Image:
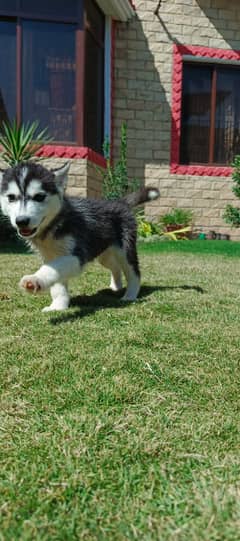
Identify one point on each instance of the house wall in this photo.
(77, 178)
(142, 98)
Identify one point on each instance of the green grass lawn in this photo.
(121, 422)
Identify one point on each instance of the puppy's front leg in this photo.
(58, 270)
(60, 298)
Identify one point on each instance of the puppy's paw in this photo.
(54, 308)
(31, 284)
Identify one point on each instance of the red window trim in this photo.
(71, 152)
(178, 52)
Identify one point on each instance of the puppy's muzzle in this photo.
(22, 223)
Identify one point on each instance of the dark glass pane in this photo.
(7, 71)
(64, 8)
(94, 94)
(95, 20)
(8, 5)
(49, 77)
(195, 121)
(227, 124)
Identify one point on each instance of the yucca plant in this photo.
(21, 142)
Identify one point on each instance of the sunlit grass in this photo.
(122, 421)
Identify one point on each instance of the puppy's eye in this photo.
(39, 197)
(11, 197)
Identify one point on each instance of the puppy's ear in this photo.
(61, 176)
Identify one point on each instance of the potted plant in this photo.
(177, 221)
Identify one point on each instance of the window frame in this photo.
(181, 54)
(80, 34)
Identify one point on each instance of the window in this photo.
(210, 121)
(53, 54)
(205, 132)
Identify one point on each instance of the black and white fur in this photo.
(71, 232)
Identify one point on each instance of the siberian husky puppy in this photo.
(70, 232)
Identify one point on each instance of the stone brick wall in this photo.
(84, 178)
(142, 98)
(94, 181)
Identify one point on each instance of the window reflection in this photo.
(7, 71)
(49, 73)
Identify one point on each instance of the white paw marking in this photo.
(31, 284)
(54, 308)
(57, 305)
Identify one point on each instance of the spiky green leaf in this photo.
(20, 143)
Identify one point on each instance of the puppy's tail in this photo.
(141, 196)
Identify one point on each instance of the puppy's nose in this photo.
(22, 221)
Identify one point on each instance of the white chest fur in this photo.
(50, 248)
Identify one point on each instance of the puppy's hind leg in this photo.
(133, 283)
(130, 266)
(116, 279)
(60, 298)
(108, 260)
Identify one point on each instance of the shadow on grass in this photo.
(105, 298)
